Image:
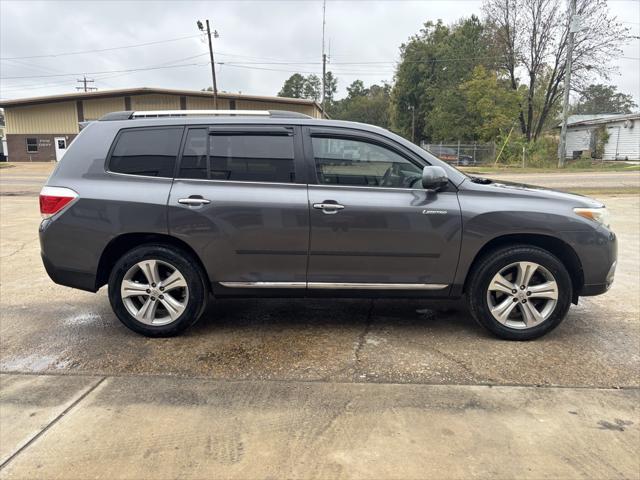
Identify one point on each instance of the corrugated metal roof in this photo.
(575, 120)
(146, 90)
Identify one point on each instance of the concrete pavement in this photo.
(165, 428)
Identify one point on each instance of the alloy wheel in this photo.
(154, 292)
(522, 295)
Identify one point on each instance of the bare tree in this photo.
(530, 39)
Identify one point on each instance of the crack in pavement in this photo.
(361, 338)
(20, 248)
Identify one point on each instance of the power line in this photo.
(37, 86)
(107, 71)
(64, 54)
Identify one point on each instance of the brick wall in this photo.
(17, 147)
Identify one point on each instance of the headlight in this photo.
(600, 215)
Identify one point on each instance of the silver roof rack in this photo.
(199, 113)
(129, 115)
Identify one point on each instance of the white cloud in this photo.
(357, 31)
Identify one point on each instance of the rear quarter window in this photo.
(150, 152)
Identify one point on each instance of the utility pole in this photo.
(84, 82)
(574, 26)
(413, 123)
(213, 65)
(324, 55)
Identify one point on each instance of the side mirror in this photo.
(434, 178)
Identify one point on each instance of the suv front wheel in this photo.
(519, 292)
(157, 291)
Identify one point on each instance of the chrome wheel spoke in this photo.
(154, 292)
(173, 281)
(174, 307)
(150, 270)
(533, 290)
(501, 284)
(502, 310)
(525, 272)
(530, 314)
(544, 290)
(147, 312)
(133, 289)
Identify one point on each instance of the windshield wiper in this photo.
(481, 180)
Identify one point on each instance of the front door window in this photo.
(358, 163)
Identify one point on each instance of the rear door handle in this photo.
(194, 201)
(328, 208)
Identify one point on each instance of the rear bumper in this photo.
(58, 253)
(69, 278)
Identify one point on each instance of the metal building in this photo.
(623, 135)
(39, 129)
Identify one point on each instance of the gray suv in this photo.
(170, 208)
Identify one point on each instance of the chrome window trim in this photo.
(368, 187)
(169, 179)
(338, 285)
(237, 181)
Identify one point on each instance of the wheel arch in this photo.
(121, 244)
(562, 250)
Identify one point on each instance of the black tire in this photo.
(494, 262)
(180, 260)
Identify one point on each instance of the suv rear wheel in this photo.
(157, 291)
(519, 292)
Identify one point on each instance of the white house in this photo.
(624, 135)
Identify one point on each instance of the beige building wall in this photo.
(155, 102)
(37, 119)
(205, 103)
(310, 110)
(94, 109)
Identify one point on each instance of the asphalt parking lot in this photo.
(323, 357)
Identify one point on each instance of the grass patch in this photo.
(572, 167)
(594, 192)
(5, 165)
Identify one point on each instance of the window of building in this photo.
(359, 163)
(251, 157)
(32, 145)
(147, 151)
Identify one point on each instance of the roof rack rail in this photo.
(130, 114)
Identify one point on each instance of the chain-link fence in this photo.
(463, 154)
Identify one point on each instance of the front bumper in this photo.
(599, 257)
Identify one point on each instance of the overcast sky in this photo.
(257, 39)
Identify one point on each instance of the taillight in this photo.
(54, 199)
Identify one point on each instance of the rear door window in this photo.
(252, 156)
(150, 152)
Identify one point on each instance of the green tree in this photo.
(294, 87)
(490, 103)
(312, 87)
(356, 89)
(529, 39)
(368, 105)
(599, 98)
(331, 87)
(432, 65)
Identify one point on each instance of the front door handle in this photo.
(194, 200)
(328, 208)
